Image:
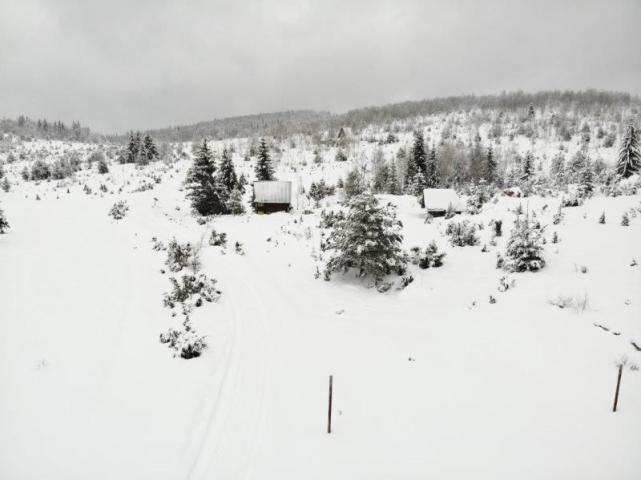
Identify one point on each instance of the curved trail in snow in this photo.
(236, 421)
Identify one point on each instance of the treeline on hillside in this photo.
(27, 128)
(279, 124)
(283, 124)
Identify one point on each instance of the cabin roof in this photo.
(273, 191)
(437, 199)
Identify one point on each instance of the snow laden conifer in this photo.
(366, 240)
(416, 164)
(524, 250)
(629, 161)
(264, 169)
(207, 195)
(226, 172)
(489, 173)
(431, 174)
(149, 150)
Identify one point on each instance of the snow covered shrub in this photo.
(4, 224)
(185, 342)
(524, 251)
(625, 220)
(235, 202)
(181, 256)
(119, 210)
(571, 201)
(40, 171)
(218, 239)
(462, 233)
(157, 245)
(195, 289)
(577, 303)
(558, 216)
(329, 219)
(319, 190)
(430, 257)
(602, 218)
(478, 195)
(368, 240)
(103, 168)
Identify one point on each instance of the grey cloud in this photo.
(117, 65)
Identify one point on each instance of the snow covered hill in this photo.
(468, 372)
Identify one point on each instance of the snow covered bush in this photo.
(478, 195)
(218, 239)
(430, 257)
(181, 256)
(368, 240)
(185, 342)
(524, 251)
(195, 289)
(119, 210)
(319, 190)
(462, 233)
(4, 224)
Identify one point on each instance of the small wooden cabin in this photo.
(272, 196)
(439, 200)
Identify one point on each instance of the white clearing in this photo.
(432, 381)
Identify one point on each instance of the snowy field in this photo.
(433, 381)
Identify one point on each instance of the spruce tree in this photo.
(133, 149)
(264, 169)
(207, 196)
(431, 175)
(490, 167)
(417, 160)
(393, 186)
(368, 240)
(476, 162)
(226, 172)
(524, 250)
(527, 168)
(629, 156)
(150, 150)
(557, 170)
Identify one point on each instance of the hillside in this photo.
(464, 370)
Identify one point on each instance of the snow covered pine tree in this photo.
(207, 195)
(264, 169)
(630, 156)
(524, 249)
(367, 239)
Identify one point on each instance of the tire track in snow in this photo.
(232, 432)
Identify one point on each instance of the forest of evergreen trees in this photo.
(309, 122)
(27, 128)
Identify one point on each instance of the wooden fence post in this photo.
(329, 409)
(616, 394)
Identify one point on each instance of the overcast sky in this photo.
(122, 64)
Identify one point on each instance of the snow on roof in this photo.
(273, 191)
(441, 198)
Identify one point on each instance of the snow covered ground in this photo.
(432, 381)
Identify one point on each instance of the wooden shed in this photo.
(272, 196)
(439, 200)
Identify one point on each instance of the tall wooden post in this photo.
(329, 409)
(616, 394)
